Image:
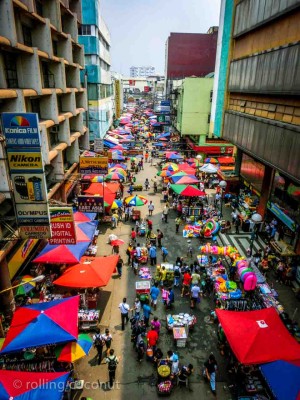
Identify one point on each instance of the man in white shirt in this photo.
(124, 308)
(195, 295)
(138, 251)
(150, 208)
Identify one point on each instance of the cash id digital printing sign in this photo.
(24, 156)
(62, 226)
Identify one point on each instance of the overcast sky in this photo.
(139, 28)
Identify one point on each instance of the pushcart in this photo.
(164, 384)
(136, 215)
(142, 289)
(142, 229)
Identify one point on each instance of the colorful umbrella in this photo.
(42, 324)
(114, 165)
(98, 178)
(74, 350)
(209, 169)
(89, 273)
(187, 179)
(187, 190)
(114, 176)
(211, 160)
(164, 173)
(20, 385)
(118, 170)
(27, 285)
(170, 166)
(116, 204)
(136, 200)
(117, 242)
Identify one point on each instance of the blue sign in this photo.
(282, 216)
(21, 129)
(165, 103)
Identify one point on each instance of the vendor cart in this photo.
(136, 215)
(142, 289)
(180, 336)
(164, 384)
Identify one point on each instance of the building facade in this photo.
(40, 64)
(189, 54)
(95, 37)
(141, 72)
(262, 109)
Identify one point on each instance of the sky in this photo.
(139, 28)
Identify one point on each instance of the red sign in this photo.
(131, 83)
(62, 226)
(147, 89)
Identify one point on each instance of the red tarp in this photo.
(258, 337)
(226, 160)
(186, 168)
(191, 191)
(88, 273)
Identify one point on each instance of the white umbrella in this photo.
(209, 169)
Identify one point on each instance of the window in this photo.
(10, 70)
(39, 7)
(93, 91)
(54, 47)
(27, 39)
(53, 139)
(208, 118)
(35, 106)
(48, 77)
(59, 104)
(85, 30)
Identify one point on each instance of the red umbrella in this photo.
(88, 274)
(117, 242)
(191, 191)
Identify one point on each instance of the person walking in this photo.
(120, 266)
(154, 293)
(137, 308)
(159, 236)
(112, 362)
(195, 295)
(151, 208)
(124, 308)
(152, 255)
(210, 369)
(108, 339)
(99, 343)
(177, 275)
(147, 312)
(164, 252)
(237, 225)
(177, 223)
(165, 213)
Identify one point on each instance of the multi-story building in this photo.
(262, 107)
(189, 54)
(141, 72)
(40, 64)
(95, 37)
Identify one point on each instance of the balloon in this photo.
(250, 282)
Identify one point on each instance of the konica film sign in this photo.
(21, 129)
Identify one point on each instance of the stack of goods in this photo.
(246, 275)
(190, 231)
(144, 255)
(164, 387)
(179, 320)
(88, 315)
(144, 273)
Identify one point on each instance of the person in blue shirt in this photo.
(164, 252)
(152, 255)
(171, 299)
(147, 313)
(154, 293)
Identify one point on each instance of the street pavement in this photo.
(136, 380)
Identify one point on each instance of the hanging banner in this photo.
(118, 98)
(62, 226)
(93, 165)
(35, 232)
(90, 204)
(20, 256)
(98, 144)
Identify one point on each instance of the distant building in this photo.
(190, 54)
(141, 72)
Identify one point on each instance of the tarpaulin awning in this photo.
(87, 274)
(42, 324)
(20, 385)
(187, 190)
(258, 337)
(226, 160)
(84, 217)
(283, 379)
(186, 179)
(62, 254)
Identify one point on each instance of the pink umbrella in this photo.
(117, 242)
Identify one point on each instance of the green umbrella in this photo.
(180, 188)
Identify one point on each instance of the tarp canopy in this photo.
(186, 179)
(283, 379)
(187, 190)
(209, 169)
(43, 324)
(87, 274)
(62, 254)
(19, 385)
(84, 217)
(258, 337)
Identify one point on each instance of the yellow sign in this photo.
(117, 98)
(99, 162)
(22, 160)
(20, 256)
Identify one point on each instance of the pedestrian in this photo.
(155, 324)
(165, 213)
(140, 346)
(147, 184)
(210, 370)
(152, 255)
(115, 249)
(186, 282)
(124, 308)
(151, 208)
(133, 235)
(159, 236)
(196, 278)
(177, 275)
(164, 252)
(137, 226)
(163, 275)
(154, 293)
(152, 338)
(137, 308)
(237, 224)
(195, 295)
(120, 266)
(112, 362)
(108, 339)
(99, 342)
(147, 312)
(127, 208)
(138, 251)
(177, 223)
(128, 253)
(189, 252)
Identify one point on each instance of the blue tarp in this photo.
(283, 379)
(108, 144)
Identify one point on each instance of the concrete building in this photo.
(262, 108)
(40, 64)
(189, 54)
(141, 72)
(95, 37)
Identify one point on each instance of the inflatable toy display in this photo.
(210, 228)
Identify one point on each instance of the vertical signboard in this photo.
(118, 98)
(23, 145)
(98, 145)
(62, 226)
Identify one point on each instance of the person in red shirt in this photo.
(149, 225)
(186, 283)
(152, 338)
(133, 235)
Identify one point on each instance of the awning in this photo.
(226, 160)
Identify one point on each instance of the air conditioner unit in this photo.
(54, 129)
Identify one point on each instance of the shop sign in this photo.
(20, 160)
(62, 226)
(161, 118)
(147, 89)
(98, 144)
(118, 98)
(32, 214)
(29, 188)
(90, 204)
(165, 109)
(35, 232)
(93, 165)
(165, 103)
(131, 82)
(20, 256)
(282, 216)
(21, 129)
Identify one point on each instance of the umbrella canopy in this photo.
(170, 166)
(164, 173)
(187, 190)
(42, 324)
(175, 157)
(185, 180)
(209, 169)
(73, 351)
(98, 178)
(88, 274)
(211, 160)
(187, 168)
(118, 170)
(116, 204)
(62, 254)
(84, 217)
(117, 242)
(283, 379)
(136, 200)
(27, 285)
(258, 337)
(32, 385)
(114, 165)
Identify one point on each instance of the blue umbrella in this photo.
(175, 157)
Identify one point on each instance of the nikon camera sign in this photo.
(26, 167)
